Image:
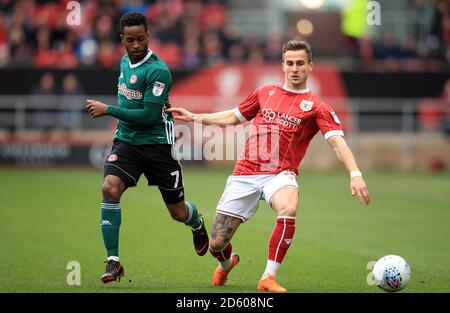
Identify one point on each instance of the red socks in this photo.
(279, 243)
(222, 255)
(281, 238)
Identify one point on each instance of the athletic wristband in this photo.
(355, 174)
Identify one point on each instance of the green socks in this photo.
(194, 220)
(111, 219)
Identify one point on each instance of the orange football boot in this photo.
(220, 276)
(270, 284)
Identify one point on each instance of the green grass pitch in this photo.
(51, 217)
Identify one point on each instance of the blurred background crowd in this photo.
(383, 65)
(189, 34)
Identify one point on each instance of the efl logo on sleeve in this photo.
(335, 117)
(158, 88)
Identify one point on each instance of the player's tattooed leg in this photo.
(223, 230)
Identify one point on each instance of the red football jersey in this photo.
(284, 123)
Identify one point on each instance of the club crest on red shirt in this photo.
(306, 105)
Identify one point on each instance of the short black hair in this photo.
(133, 19)
(294, 45)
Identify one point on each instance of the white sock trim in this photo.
(225, 265)
(288, 217)
(271, 269)
(189, 208)
(114, 258)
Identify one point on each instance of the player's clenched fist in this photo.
(96, 108)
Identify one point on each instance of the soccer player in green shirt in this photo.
(143, 142)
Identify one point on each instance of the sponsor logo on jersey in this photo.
(306, 105)
(335, 117)
(112, 157)
(158, 88)
(268, 115)
(283, 119)
(133, 79)
(130, 94)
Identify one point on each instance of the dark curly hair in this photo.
(133, 19)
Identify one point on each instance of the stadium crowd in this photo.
(187, 34)
(427, 49)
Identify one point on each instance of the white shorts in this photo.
(242, 193)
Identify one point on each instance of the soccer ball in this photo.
(391, 273)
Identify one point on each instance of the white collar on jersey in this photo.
(295, 90)
(141, 61)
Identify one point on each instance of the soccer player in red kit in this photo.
(285, 119)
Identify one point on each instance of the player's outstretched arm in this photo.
(222, 118)
(145, 116)
(344, 154)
